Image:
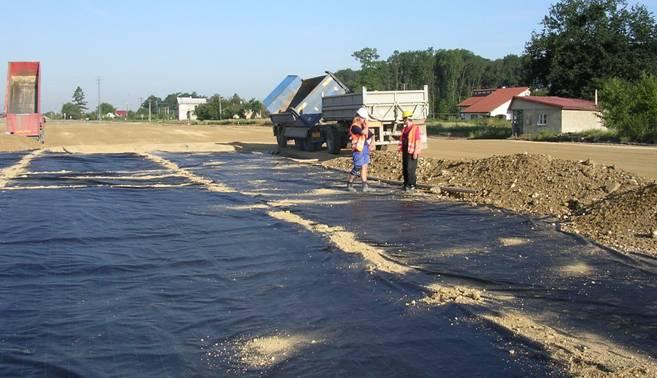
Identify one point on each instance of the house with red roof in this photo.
(121, 114)
(490, 103)
(535, 114)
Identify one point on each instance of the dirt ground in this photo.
(124, 137)
(635, 159)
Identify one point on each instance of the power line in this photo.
(98, 98)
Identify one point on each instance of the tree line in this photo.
(582, 46)
(451, 75)
(165, 108)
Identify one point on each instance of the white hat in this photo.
(362, 113)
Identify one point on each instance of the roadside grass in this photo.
(488, 128)
(589, 136)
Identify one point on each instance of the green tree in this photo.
(631, 108)
(213, 109)
(79, 100)
(584, 42)
(105, 108)
(374, 73)
(71, 111)
(450, 74)
(348, 77)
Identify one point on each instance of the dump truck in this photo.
(320, 110)
(23, 99)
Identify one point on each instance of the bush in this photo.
(468, 130)
(589, 136)
(630, 108)
(491, 133)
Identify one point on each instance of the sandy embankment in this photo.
(117, 137)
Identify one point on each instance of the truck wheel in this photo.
(300, 144)
(310, 146)
(281, 139)
(333, 142)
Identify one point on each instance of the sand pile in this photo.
(542, 185)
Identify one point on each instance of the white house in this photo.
(534, 114)
(491, 103)
(187, 106)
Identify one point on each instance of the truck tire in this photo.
(281, 139)
(310, 146)
(300, 144)
(333, 141)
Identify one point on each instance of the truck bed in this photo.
(383, 106)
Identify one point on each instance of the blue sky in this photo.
(159, 47)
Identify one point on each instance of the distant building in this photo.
(121, 113)
(110, 115)
(486, 103)
(187, 107)
(534, 114)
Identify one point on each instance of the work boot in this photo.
(366, 188)
(350, 187)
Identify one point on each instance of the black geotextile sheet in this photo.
(9, 158)
(116, 281)
(564, 279)
(113, 281)
(70, 170)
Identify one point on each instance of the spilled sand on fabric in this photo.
(264, 352)
(208, 183)
(512, 242)
(576, 269)
(582, 355)
(296, 202)
(346, 241)
(18, 169)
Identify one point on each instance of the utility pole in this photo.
(149, 110)
(98, 98)
(220, 112)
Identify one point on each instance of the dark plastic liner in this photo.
(119, 170)
(564, 279)
(107, 282)
(9, 159)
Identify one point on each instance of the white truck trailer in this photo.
(328, 120)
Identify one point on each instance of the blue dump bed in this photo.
(281, 97)
(304, 108)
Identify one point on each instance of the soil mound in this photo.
(626, 221)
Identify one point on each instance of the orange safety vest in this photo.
(357, 140)
(412, 140)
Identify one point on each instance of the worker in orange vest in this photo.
(411, 144)
(361, 142)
